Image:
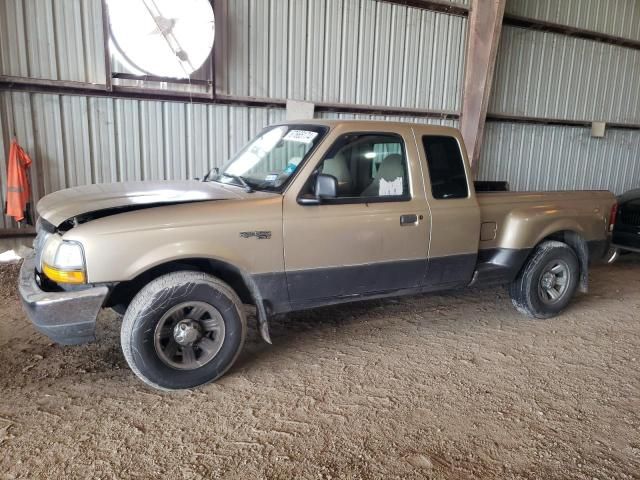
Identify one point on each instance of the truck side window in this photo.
(446, 167)
(368, 167)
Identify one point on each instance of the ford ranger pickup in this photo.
(308, 214)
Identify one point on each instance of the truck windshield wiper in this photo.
(214, 169)
(248, 188)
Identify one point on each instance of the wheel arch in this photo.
(240, 281)
(579, 245)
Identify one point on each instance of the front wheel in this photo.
(183, 330)
(547, 282)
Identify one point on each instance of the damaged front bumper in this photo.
(68, 318)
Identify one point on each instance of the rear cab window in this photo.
(446, 167)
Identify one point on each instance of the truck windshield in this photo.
(269, 160)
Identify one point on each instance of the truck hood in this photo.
(57, 207)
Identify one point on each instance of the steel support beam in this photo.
(485, 25)
(140, 93)
(545, 26)
(434, 5)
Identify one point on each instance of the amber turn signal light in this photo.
(64, 276)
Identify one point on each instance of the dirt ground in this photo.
(442, 386)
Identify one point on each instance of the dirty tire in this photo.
(524, 290)
(156, 299)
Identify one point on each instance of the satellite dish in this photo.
(166, 38)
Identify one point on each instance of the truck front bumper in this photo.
(68, 318)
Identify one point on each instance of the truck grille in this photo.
(630, 216)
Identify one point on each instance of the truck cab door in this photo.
(373, 237)
(455, 213)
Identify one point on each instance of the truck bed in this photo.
(513, 223)
(523, 219)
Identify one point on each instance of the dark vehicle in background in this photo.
(626, 230)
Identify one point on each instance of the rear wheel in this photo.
(183, 330)
(547, 282)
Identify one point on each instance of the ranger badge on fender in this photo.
(260, 235)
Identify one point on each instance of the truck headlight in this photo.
(63, 261)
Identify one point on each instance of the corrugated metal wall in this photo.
(89, 140)
(547, 157)
(56, 40)
(80, 140)
(550, 75)
(341, 51)
(363, 52)
(619, 18)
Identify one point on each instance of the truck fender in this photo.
(568, 231)
(215, 267)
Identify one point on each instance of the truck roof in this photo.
(369, 124)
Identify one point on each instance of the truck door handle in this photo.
(407, 220)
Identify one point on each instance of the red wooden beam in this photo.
(485, 26)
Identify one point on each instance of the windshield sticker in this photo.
(301, 136)
(272, 177)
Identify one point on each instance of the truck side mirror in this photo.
(326, 187)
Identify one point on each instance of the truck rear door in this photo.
(455, 214)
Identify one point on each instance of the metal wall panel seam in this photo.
(397, 46)
(350, 51)
(65, 151)
(5, 141)
(298, 45)
(42, 40)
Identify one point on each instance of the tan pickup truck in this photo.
(307, 214)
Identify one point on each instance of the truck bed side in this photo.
(513, 223)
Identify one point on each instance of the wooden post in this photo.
(485, 25)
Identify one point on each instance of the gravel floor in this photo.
(441, 386)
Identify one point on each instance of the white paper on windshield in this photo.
(243, 164)
(389, 188)
(302, 136)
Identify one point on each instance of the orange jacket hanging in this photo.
(17, 182)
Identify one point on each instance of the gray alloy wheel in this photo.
(189, 335)
(554, 281)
